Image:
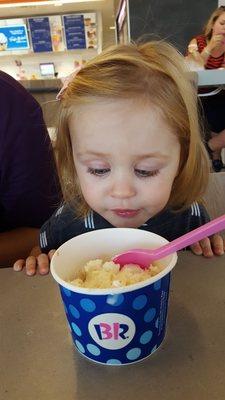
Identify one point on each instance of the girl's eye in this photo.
(98, 171)
(145, 174)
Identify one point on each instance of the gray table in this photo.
(38, 360)
(213, 77)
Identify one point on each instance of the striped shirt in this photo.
(212, 62)
(64, 224)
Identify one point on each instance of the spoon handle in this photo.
(191, 237)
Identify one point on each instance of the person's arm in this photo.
(61, 227)
(29, 191)
(17, 243)
(38, 259)
(214, 43)
(200, 58)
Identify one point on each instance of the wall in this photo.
(174, 20)
(64, 61)
(116, 6)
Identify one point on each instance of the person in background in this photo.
(125, 158)
(208, 49)
(29, 186)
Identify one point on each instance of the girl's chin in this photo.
(125, 223)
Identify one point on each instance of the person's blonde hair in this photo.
(155, 72)
(211, 21)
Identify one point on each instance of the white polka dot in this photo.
(93, 349)
(139, 302)
(133, 354)
(146, 337)
(113, 361)
(115, 299)
(157, 285)
(80, 346)
(88, 305)
(74, 311)
(150, 315)
(76, 329)
(66, 291)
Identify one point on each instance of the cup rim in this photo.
(116, 290)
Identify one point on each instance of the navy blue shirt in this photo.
(29, 189)
(64, 224)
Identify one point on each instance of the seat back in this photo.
(214, 197)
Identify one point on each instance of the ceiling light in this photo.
(43, 3)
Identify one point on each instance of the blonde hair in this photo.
(154, 71)
(212, 19)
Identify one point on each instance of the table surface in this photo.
(39, 361)
(213, 77)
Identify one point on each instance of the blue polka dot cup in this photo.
(117, 325)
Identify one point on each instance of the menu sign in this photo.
(13, 38)
(74, 31)
(80, 31)
(40, 34)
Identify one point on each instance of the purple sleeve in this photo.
(29, 189)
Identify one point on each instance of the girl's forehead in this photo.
(125, 124)
(113, 112)
(221, 17)
(107, 107)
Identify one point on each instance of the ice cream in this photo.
(101, 275)
(3, 42)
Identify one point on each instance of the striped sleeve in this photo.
(48, 238)
(198, 215)
(62, 226)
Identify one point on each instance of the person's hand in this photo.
(215, 245)
(36, 262)
(215, 41)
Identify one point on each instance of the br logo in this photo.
(112, 331)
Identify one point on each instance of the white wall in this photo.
(63, 61)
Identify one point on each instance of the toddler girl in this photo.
(129, 151)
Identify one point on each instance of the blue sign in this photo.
(13, 37)
(40, 34)
(74, 31)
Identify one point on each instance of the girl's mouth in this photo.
(125, 213)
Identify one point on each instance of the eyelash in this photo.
(146, 174)
(98, 171)
(139, 172)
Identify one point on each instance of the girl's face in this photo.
(126, 157)
(219, 26)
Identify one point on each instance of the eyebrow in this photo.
(91, 153)
(139, 157)
(152, 155)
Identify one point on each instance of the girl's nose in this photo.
(123, 188)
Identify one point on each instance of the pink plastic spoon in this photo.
(144, 257)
